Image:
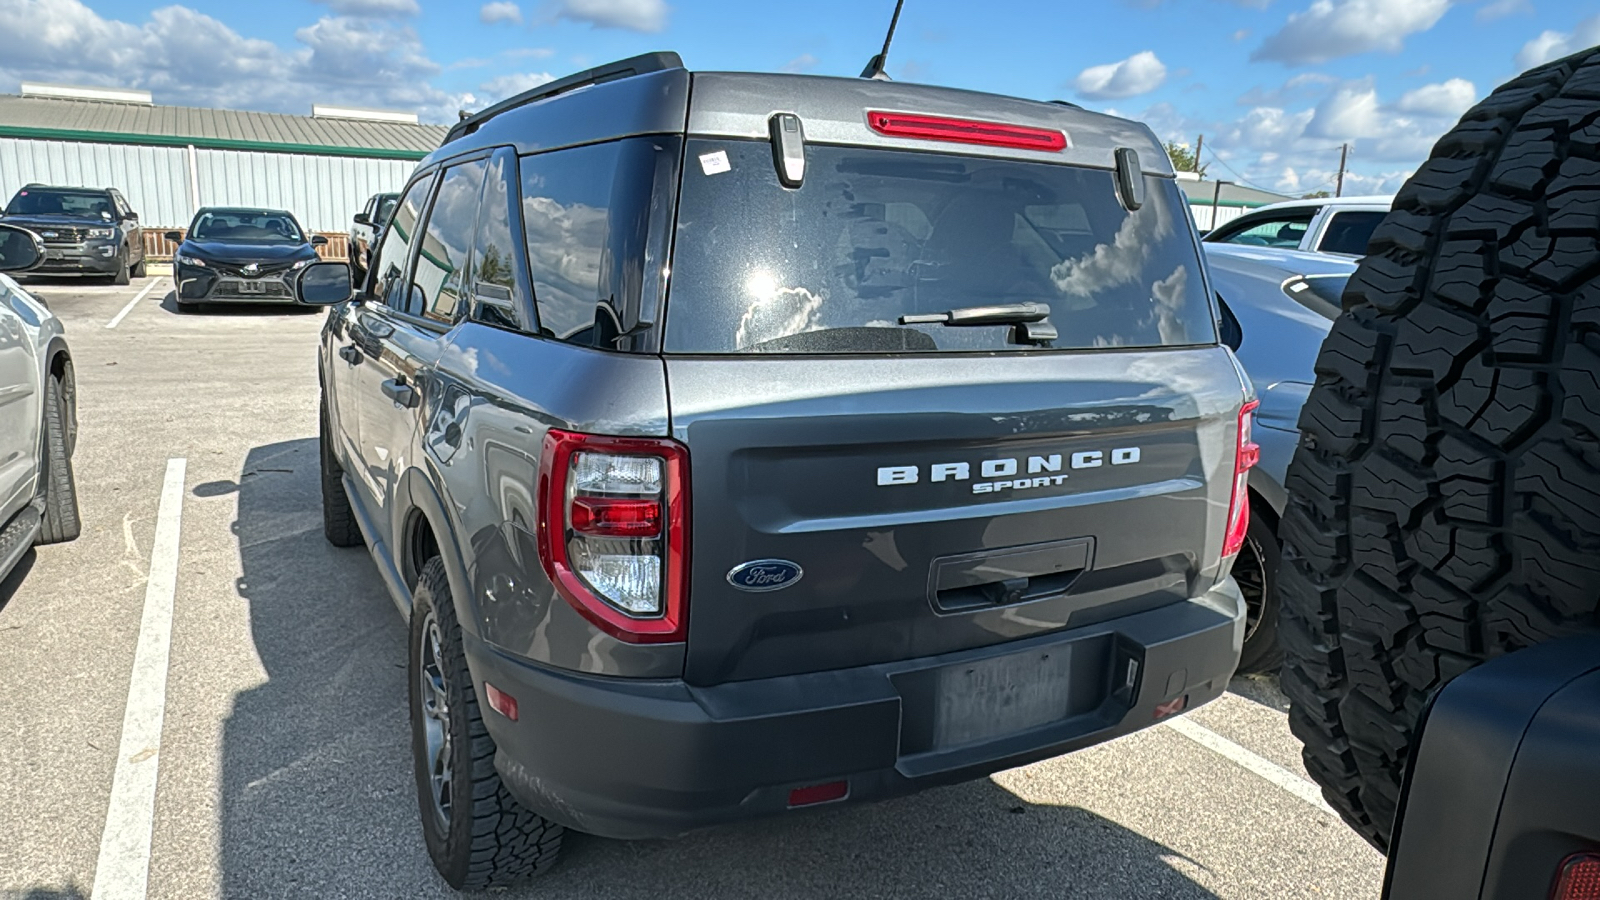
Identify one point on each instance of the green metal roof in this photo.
(48, 118)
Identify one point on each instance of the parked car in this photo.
(930, 465)
(1340, 225)
(38, 412)
(1279, 305)
(86, 231)
(365, 228)
(234, 255)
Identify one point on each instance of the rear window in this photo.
(874, 235)
(1349, 232)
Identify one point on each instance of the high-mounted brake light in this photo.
(1579, 878)
(966, 131)
(1249, 453)
(613, 532)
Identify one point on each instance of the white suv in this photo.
(38, 415)
(1340, 225)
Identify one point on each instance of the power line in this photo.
(1220, 161)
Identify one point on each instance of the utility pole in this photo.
(1216, 200)
(1199, 145)
(1344, 154)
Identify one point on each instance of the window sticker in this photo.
(715, 163)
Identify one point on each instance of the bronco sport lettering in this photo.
(1041, 467)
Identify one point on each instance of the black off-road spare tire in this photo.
(1445, 500)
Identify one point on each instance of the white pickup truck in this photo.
(364, 230)
(38, 412)
(1340, 225)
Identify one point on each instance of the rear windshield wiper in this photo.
(1002, 314)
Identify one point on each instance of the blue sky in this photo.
(1274, 85)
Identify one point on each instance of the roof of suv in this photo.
(1375, 200)
(651, 95)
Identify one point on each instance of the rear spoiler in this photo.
(627, 68)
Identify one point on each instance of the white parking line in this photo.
(1271, 771)
(134, 302)
(124, 866)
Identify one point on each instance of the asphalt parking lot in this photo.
(283, 743)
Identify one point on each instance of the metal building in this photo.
(1216, 203)
(170, 160)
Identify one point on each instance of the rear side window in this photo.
(566, 207)
(874, 235)
(389, 272)
(1349, 232)
(494, 279)
(439, 280)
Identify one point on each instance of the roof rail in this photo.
(626, 68)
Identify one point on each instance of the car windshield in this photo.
(874, 235)
(245, 227)
(46, 202)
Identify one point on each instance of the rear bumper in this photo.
(641, 759)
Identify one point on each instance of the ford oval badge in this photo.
(765, 575)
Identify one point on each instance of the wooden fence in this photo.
(157, 247)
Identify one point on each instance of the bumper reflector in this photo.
(500, 701)
(819, 793)
(1172, 707)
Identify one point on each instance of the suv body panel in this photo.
(738, 715)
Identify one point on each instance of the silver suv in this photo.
(737, 444)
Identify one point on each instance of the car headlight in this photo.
(301, 265)
(191, 261)
(101, 234)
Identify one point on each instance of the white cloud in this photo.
(805, 62)
(1552, 45)
(497, 89)
(372, 9)
(1447, 100)
(1331, 29)
(1140, 73)
(341, 60)
(503, 11)
(1348, 113)
(1499, 9)
(633, 15)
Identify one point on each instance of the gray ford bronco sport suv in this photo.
(738, 443)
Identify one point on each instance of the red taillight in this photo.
(819, 793)
(616, 518)
(613, 532)
(966, 131)
(500, 701)
(1247, 455)
(1579, 878)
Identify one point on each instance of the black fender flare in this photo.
(422, 499)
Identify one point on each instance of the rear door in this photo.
(936, 488)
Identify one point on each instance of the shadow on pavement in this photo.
(70, 892)
(169, 303)
(318, 800)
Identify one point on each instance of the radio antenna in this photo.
(874, 69)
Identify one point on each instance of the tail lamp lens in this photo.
(613, 531)
(1248, 454)
(1579, 878)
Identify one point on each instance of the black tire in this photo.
(485, 838)
(1445, 500)
(1256, 571)
(138, 269)
(121, 276)
(338, 519)
(59, 491)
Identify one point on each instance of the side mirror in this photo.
(324, 284)
(318, 240)
(175, 236)
(132, 217)
(363, 219)
(20, 249)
